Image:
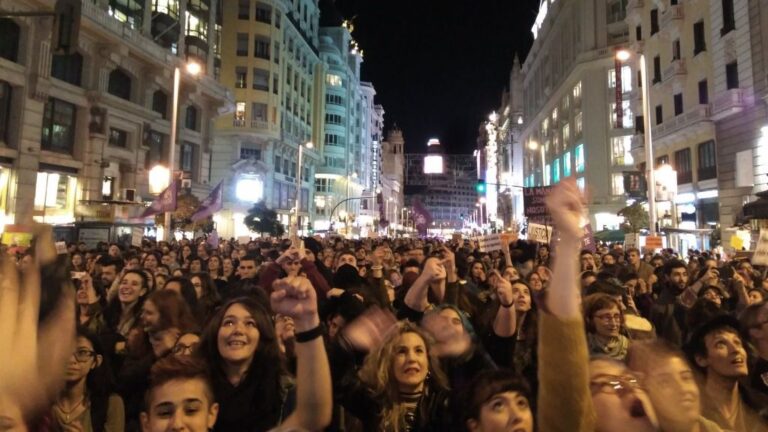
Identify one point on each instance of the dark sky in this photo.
(439, 67)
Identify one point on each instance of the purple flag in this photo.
(421, 217)
(213, 239)
(210, 205)
(164, 202)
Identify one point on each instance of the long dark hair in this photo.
(209, 299)
(265, 370)
(187, 290)
(115, 308)
(99, 383)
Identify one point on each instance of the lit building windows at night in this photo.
(577, 92)
(168, 7)
(617, 184)
(579, 156)
(620, 149)
(333, 80)
(567, 164)
(59, 122)
(196, 27)
(239, 114)
(547, 174)
(55, 196)
(627, 119)
(581, 184)
(118, 138)
(241, 77)
(707, 161)
(556, 171)
(578, 124)
(626, 79)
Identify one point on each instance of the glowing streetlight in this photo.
(159, 179)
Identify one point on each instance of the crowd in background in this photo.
(389, 335)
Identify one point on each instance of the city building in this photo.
(570, 123)
(676, 40)
(79, 132)
(338, 183)
(370, 164)
(270, 59)
(738, 51)
(391, 204)
(449, 197)
(510, 149)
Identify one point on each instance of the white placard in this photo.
(137, 236)
(243, 240)
(760, 257)
(489, 243)
(539, 233)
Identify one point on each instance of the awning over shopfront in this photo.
(757, 209)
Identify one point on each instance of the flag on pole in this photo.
(211, 204)
(164, 202)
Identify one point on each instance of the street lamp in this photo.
(623, 56)
(193, 69)
(349, 182)
(297, 224)
(159, 177)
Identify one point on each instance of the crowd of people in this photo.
(382, 335)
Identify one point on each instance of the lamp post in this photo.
(297, 222)
(349, 182)
(193, 69)
(623, 56)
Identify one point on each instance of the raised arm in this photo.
(295, 297)
(505, 322)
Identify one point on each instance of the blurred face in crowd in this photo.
(77, 260)
(607, 322)
(195, 266)
(150, 316)
(726, 356)
(360, 253)
(184, 404)
(672, 389)
(478, 271)
(238, 335)
(609, 259)
(713, 295)
(114, 251)
(535, 282)
(162, 271)
(247, 269)
(132, 263)
(214, 264)
(291, 267)
(507, 411)
(160, 280)
(346, 258)
(150, 262)
(186, 251)
(186, 344)
(416, 253)
(108, 274)
(82, 361)
(620, 403)
(198, 284)
(755, 296)
(130, 288)
(335, 324)
(588, 262)
(202, 251)
(634, 258)
(227, 266)
(588, 280)
(511, 274)
(679, 277)
(523, 297)
(410, 363)
(173, 286)
(657, 262)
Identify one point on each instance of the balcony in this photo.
(674, 13)
(700, 113)
(238, 122)
(263, 126)
(676, 68)
(728, 103)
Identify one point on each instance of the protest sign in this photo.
(539, 233)
(535, 207)
(760, 257)
(489, 243)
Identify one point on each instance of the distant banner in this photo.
(489, 243)
(539, 233)
(760, 257)
(535, 206)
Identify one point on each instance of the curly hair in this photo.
(378, 376)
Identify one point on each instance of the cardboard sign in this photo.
(539, 233)
(535, 207)
(17, 235)
(653, 242)
(631, 240)
(489, 243)
(137, 236)
(737, 242)
(760, 257)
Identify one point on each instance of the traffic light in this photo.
(480, 187)
(66, 26)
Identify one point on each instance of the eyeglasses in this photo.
(180, 348)
(83, 355)
(612, 384)
(608, 318)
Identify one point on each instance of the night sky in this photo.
(439, 67)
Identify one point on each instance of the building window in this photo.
(244, 10)
(260, 79)
(547, 175)
(683, 166)
(155, 154)
(250, 153)
(334, 119)
(662, 160)
(333, 80)
(639, 33)
(676, 49)
(68, 68)
(566, 134)
(699, 38)
(732, 75)
(627, 116)
(190, 118)
(579, 156)
(332, 99)
(654, 21)
(617, 184)
(277, 52)
(241, 77)
(9, 43)
(187, 156)
(59, 120)
(626, 79)
(577, 92)
(659, 115)
(621, 151)
(707, 161)
(656, 69)
(264, 13)
(119, 84)
(242, 44)
(678, 98)
(278, 164)
(278, 19)
(578, 124)
(5, 111)
(160, 103)
(118, 138)
(276, 84)
(55, 194)
(729, 20)
(259, 112)
(261, 48)
(196, 27)
(567, 164)
(240, 114)
(556, 171)
(703, 92)
(333, 140)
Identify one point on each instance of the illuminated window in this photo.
(55, 196)
(577, 92)
(196, 27)
(566, 134)
(240, 114)
(578, 124)
(628, 117)
(626, 79)
(620, 149)
(581, 184)
(554, 115)
(556, 171)
(547, 174)
(579, 155)
(617, 184)
(168, 7)
(333, 80)
(567, 164)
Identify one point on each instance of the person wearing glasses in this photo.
(87, 403)
(186, 344)
(604, 320)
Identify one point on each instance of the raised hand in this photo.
(295, 297)
(434, 270)
(290, 254)
(503, 288)
(368, 330)
(566, 206)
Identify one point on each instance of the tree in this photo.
(186, 206)
(635, 218)
(263, 220)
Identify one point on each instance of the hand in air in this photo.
(566, 207)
